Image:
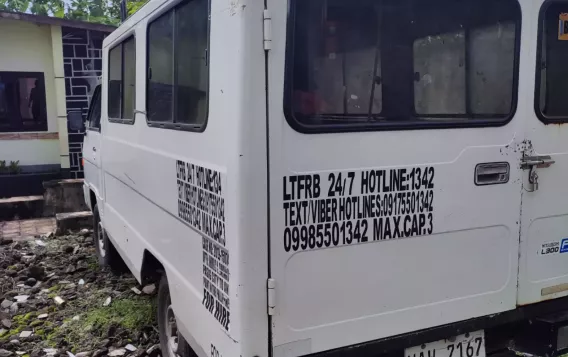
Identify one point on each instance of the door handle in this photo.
(492, 173)
(94, 149)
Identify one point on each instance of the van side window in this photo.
(122, 82)
(94, 115)
(400, 64)
(178, 73)
(551, 73)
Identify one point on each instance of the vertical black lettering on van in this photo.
(216, 280)
(201, 206)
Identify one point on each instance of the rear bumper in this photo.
(500, 331)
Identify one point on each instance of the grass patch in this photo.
(19, 324)
(128, 314)
(92, 263)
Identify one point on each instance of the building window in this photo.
(22, 102)
(178, 73)
(122, 82)
(551, 73)
(397, 64)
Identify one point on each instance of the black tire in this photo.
(110, 257)
(164, 302)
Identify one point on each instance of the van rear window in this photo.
(550, 102)
(401, 62)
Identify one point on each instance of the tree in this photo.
(100, 11)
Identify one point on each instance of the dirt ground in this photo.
(55, 300)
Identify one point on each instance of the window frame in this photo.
(546, 119)
(411, 124)
(173, 125)
(121, 120)
(43, 126)
(96, 92)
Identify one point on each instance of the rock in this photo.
(82, 265)
(37, 272)
(149, 289)
(6, 304)
(67, 249)
(15, 342)
(136, 291)
(70, 269)
(100, 353)
(20, 353)
(14, 308)
(107, 301)
(117, 353)
(42, 316)
(40, 243)
(21, 298)
(31, 281)
(11, 273)
(70, 354)
(83, 354)
(6, 241)
(76, 318)
(5, 353)
(85, 232)
(27, 258)
(76, 249)
(50, 351)
(153, 351)
(58, 300)
(130, 348)
(25, 334)
(7, 323)
(81, 282)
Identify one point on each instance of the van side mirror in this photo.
(75, 120)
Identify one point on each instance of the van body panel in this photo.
(543, 270)
(154, 178)
(462, 266)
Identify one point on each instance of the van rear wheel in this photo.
(172, 342)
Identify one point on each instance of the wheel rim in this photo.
(171, 331)
(101, 239)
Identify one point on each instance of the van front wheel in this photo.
(106, 253)
(172, 342)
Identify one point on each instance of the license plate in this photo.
(468, 345)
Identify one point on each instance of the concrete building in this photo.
(48, 69)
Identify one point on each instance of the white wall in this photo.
(27, 47)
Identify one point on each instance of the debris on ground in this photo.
(56, 301)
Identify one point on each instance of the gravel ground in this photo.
(55, 300)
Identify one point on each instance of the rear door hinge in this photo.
(267, 30)
(271, 288)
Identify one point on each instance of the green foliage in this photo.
(99, 11)
(15, 168)
(93, 325)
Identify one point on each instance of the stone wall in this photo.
(82, 58)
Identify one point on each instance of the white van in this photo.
(338, 177)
